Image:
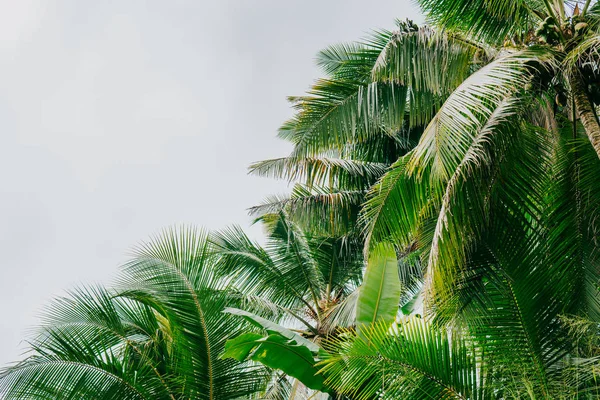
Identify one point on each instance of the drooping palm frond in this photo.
(395, 205)
(415, 187)
(463, 208)
(93, 345)
(321, 171)
(338, 108)
(573, 209)
(490, 21)
(320, 210)
(336, 113)
(330, 190)
(413, 57)
(450, 134)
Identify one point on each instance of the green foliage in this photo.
(409, 360)
(304, 274)
(491, 21)
(273, 328)
(461, 157)
(380, 291)
(157, 336)
(279, 352)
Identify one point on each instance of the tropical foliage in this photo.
(440, 240)
(158, 335)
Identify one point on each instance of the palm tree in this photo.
(308, 281)
(352, 126)
(315, 286)
(498, 198)
(158, 336)
(294, 270)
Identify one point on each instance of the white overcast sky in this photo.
(119, 118)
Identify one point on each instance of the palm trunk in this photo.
(585, 110)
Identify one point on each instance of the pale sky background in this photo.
(119, 118)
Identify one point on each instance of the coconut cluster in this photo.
(548, 31)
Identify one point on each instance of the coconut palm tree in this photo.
(299, 260)
(309, 281)
(315, 286)
(159, 335)
(501, 196)
(498, 198)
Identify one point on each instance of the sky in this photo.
(120, 118)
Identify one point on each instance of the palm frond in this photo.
(316, 209)
(450, 134)
(490, 21)
(410, 360)
(395, 205)
(322, 171)
(175, 275)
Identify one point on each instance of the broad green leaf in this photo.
(380, 292)
(277, 352)
(272, 327)
(240, 347)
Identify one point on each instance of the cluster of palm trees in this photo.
(440, 240)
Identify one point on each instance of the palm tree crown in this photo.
(158, 336)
